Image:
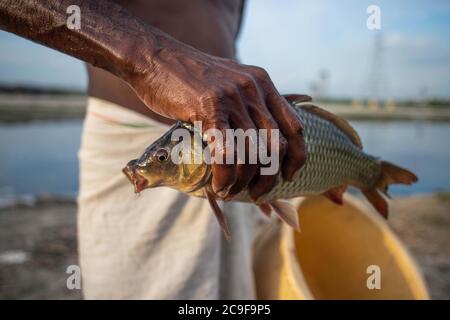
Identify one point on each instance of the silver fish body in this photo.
(332, 160)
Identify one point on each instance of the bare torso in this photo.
(208, 25)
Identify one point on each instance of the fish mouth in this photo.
(139, 182)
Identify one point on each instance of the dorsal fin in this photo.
(297, 98)
(337, 121)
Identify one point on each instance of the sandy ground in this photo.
(423, 223)
(38, 243)
(25, 107)
(46, 235)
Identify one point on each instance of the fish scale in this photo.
(332, 160)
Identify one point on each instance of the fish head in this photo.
(167, 162)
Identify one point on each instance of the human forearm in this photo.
(109, 37)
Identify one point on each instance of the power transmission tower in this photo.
(377, 75)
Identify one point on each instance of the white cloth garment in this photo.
(160, 244)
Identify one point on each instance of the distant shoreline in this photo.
(22, 107)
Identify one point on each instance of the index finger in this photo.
(223, 174)
(292, 128)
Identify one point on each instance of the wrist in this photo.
(135, 60)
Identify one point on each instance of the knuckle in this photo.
(247, 83)
(260, 73)
(229, 90)
(218, 94)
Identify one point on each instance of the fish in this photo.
(334, 161)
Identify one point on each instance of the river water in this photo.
(41, 157)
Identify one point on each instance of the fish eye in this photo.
(162, 155)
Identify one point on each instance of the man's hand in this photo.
(173, 79)
(185, 84)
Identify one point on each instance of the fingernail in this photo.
(223, 192)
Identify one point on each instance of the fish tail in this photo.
(390, 174)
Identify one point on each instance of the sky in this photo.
(294, 40)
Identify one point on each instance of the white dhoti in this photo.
(161, 244)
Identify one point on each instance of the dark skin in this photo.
(134, 62)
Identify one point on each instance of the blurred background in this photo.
(392, 84)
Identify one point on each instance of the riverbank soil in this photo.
(423, 223)
(38, 243)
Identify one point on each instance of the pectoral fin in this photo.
(297, 98)
(377, 200)
(266, 209)
(218, 212)
(286, 212)
(336, 194)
